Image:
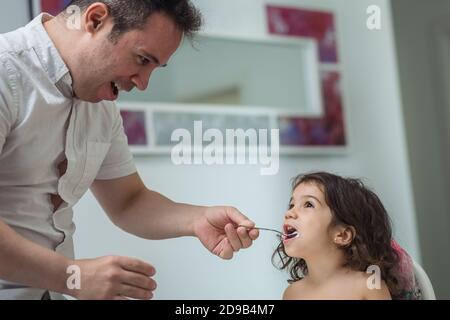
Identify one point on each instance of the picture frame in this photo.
(330, 129)
(161, 119)
(322, 132)
(136, 120)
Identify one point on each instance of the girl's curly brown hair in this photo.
(352, 204)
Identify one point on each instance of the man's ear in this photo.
(95, 17)
(344, 235)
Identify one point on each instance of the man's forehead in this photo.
(151, 41)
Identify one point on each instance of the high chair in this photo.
(424, 282)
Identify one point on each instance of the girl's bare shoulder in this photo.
(371, 286)
(294, 290)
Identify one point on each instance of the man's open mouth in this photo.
(290, 232)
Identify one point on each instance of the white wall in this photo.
(378, 153)
(13, 14)
(423, 109)
(185, 269)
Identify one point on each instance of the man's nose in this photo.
(141, 80)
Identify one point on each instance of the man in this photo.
(59, 137)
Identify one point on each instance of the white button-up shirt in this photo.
(41, 124)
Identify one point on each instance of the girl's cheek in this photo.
(316, 228)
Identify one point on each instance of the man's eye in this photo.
(308, 205)
(143, 61)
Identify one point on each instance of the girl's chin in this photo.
(293, 253)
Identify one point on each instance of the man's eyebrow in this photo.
(153, 58)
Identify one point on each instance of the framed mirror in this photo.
(276, 72)
(289, 78)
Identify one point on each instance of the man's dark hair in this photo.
(133, 14)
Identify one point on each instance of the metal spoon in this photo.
(264, 229)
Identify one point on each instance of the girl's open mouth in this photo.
(290, 233)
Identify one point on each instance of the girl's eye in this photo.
(290, 206)
(308, 205)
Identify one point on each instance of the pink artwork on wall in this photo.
(134, 124)
(53, 7)
(318, 25)
(329, 129)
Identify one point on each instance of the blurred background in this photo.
(384, 91)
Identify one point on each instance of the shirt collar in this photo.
(49, 56)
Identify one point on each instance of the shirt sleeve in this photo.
(8, 107)
(119, 160)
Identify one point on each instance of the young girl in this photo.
(338, 243)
